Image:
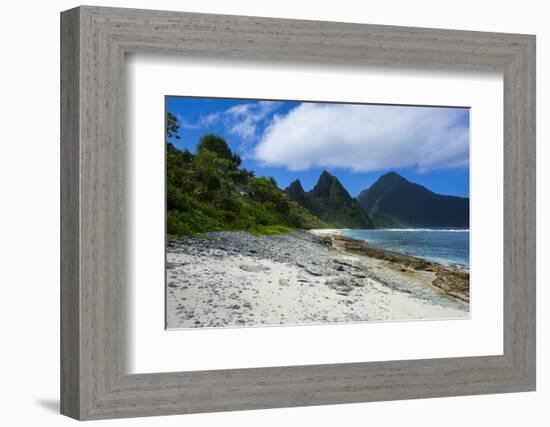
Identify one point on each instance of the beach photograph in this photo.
(299, 212)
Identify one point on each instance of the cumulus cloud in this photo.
(365, 138)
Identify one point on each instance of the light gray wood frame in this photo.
(94, 41)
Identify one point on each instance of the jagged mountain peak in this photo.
(296, 185)
(329, 186)
(331, 202)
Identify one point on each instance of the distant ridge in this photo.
(330, 202)
(394, 202)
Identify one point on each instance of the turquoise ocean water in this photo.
(444, 246)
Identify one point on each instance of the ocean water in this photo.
(444, 246)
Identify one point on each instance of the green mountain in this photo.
(209, 191)
(394, 202)
(330, 202)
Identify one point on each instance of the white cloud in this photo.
(244, 118)
(203, 121)
(241, 120)
(365, 138)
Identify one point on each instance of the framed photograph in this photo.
(248, 249)
(262, 213)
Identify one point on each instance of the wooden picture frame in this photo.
(94, 382)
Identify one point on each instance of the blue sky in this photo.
(357, 143)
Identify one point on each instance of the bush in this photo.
(207, 191)
(219, 146)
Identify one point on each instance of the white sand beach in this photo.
(238, 279)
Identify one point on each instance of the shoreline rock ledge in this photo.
(452, 280)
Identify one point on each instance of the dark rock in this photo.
(314, 272)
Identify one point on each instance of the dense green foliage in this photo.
(217, 145)
(209, 191)
(330, 202)
(394, 202)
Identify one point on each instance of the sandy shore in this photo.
(238, 279)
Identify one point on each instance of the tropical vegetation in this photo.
(209, 191)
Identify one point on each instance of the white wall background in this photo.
(29, 214)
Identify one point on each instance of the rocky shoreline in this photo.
(454, 281)
(239, 279)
